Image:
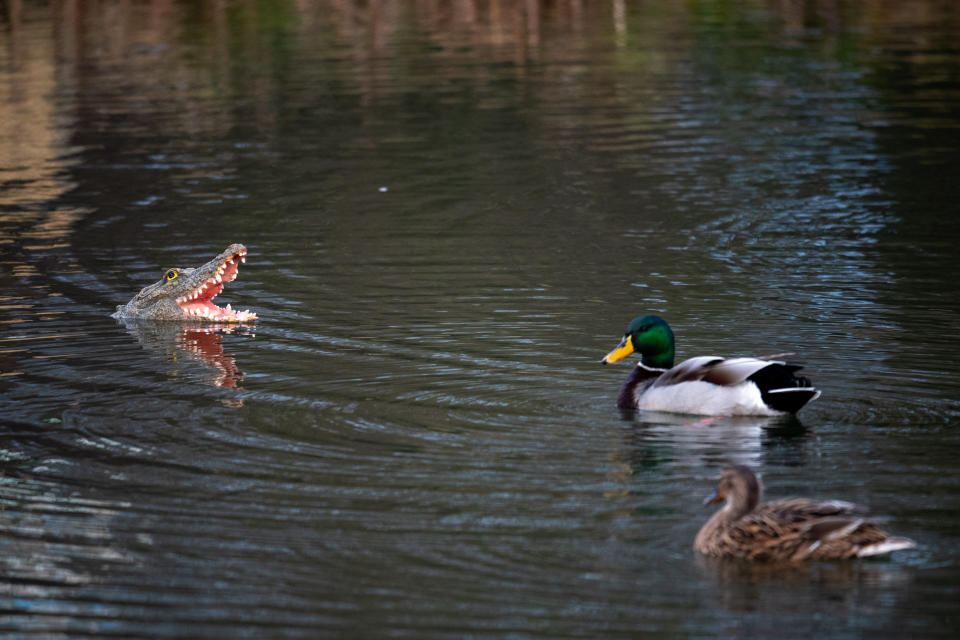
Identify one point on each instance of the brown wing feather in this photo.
(687, 371)
(716, 370)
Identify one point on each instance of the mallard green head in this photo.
(651, 337)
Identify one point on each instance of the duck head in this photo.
(651, 337)
(740, 488)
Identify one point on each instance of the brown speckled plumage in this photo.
(789, 530)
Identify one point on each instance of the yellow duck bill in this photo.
(623, 349)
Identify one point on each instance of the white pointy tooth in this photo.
(243, 259)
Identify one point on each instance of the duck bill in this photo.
(623, 349)
(713, 498)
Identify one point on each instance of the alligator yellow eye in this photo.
(172, 274)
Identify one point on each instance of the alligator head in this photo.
(187, 294)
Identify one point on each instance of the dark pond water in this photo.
(452, 211)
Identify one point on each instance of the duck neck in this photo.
(662, 360)
(743, 497)
(739, 506)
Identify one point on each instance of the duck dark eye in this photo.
(172, 274)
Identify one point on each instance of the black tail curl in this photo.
(781, 390)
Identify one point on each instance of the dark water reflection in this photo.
(183, 346)
(451, 211)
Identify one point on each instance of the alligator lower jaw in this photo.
(198, 305)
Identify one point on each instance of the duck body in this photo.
(790, 530)
(705, 385)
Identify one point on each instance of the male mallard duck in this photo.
(786, 530)
(706, 385)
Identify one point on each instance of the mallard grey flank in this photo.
(705, 385)
(790, 530)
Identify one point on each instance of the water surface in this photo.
(452, 211)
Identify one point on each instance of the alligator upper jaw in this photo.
(197, 304)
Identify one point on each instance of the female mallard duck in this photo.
(706, 385)
(786, 530)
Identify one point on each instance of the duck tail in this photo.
(886, 546)
(781, 390)
(789, 400)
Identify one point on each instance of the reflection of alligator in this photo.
(187, 294)
(179, 345)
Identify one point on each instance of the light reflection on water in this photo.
(451, 212)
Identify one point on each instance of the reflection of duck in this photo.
(654, 438)
(706, 385)
(199, 343)
(787, 530)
